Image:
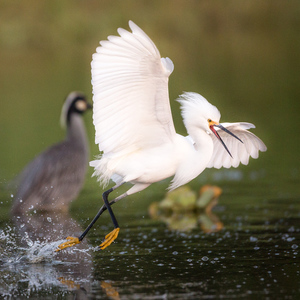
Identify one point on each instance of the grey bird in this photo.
(55, 177)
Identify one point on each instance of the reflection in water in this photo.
(255, 256)
(29, 264)
(182, 211)
(209, 222)
(110, 291)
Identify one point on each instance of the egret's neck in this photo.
(203, 144)
(195, 156)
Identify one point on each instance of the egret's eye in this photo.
(209, 120)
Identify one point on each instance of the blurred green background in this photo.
(243, 56)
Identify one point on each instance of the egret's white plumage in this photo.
(134, 125)
(133, 120)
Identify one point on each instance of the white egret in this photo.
(135, 130)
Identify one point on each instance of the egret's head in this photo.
(75, 103)
(199, 113)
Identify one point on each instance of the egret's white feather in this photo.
(131, 101)
(194, 106)
(133, 120)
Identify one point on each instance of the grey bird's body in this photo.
(55, 177)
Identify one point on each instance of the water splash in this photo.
(32, 252)
(28, 267)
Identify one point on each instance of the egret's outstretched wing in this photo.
(130, 87)
(240, 151)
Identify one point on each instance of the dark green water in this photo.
(244, 57)
(256, 254)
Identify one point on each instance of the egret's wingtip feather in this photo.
(250, 146)
(167, 64)
(131, 24)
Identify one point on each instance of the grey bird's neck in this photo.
(76, 131)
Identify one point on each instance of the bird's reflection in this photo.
(110, 291)
(181, 210)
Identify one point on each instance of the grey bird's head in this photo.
(75, 103)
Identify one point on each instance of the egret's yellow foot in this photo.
(109, 238)
(71, 241)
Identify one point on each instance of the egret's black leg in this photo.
(107, 204)
(100, 212)
(71, 241)
(109, 238)
(102, 209)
